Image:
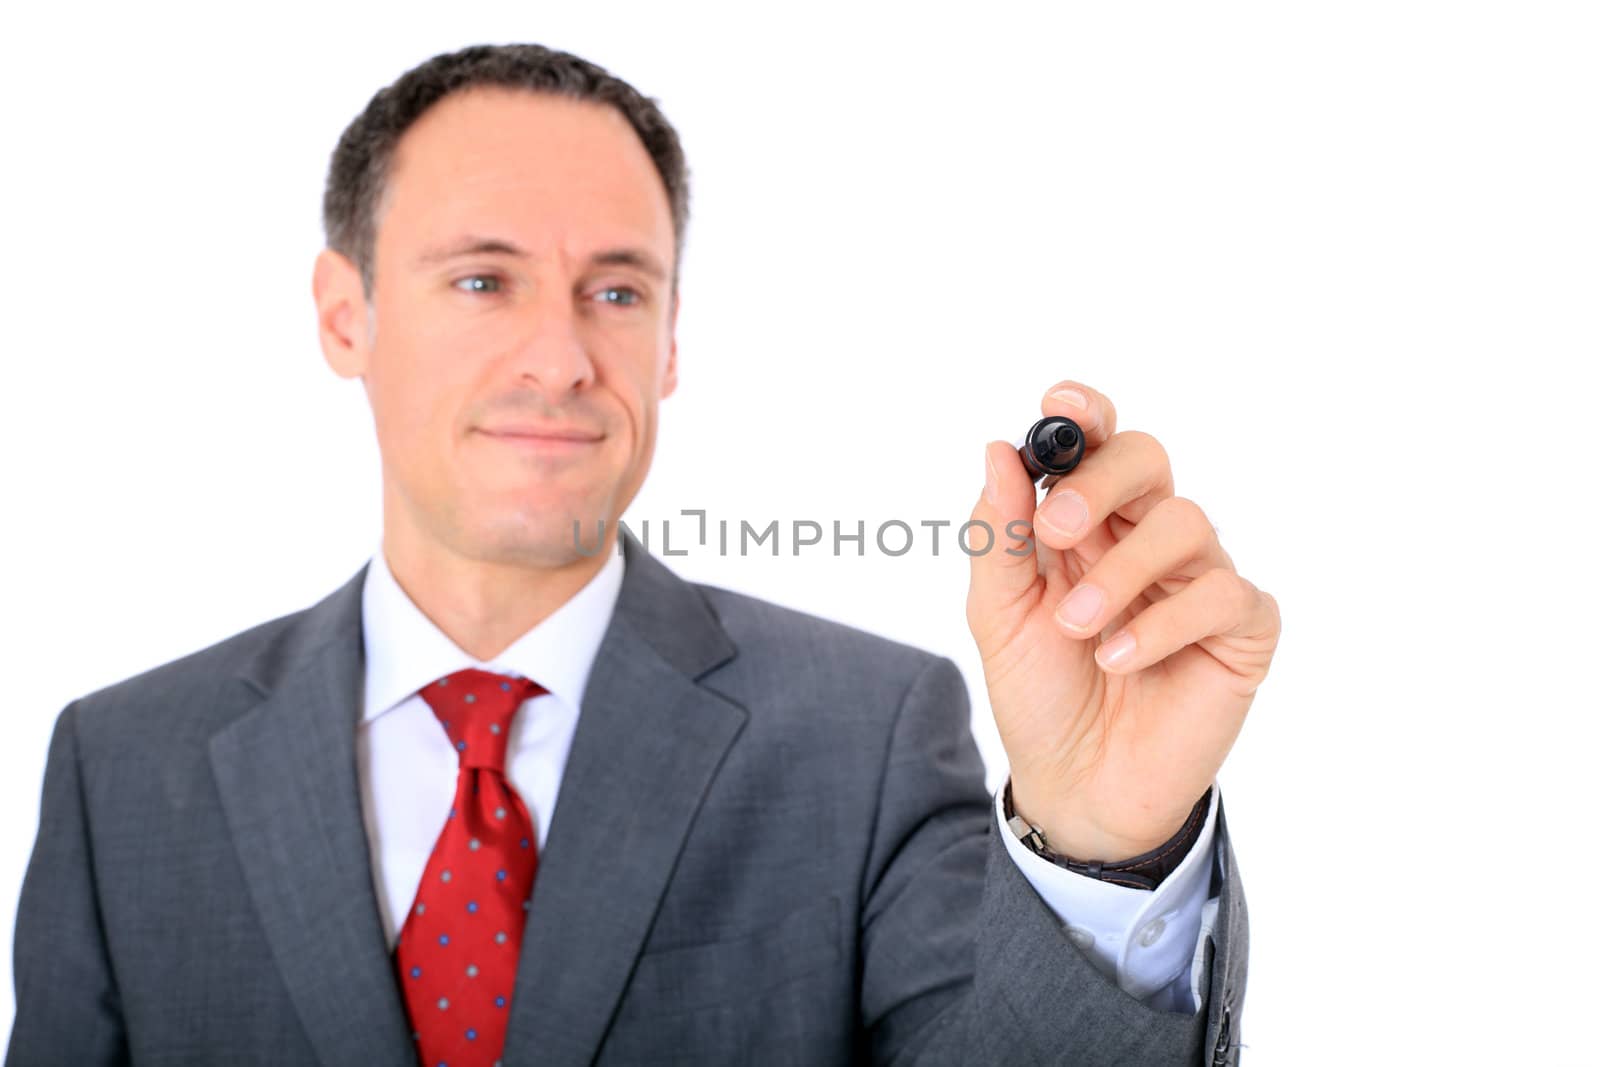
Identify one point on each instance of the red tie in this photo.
(457, 953)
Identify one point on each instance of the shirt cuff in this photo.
(1143, 939)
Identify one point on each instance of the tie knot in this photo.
(475, 708)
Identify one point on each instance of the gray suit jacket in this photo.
(773, 845)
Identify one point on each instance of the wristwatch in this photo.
(1144, 871)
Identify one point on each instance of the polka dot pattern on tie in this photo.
(457, 953)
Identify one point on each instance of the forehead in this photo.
(550, 173)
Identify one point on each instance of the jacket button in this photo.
(1221, 1053)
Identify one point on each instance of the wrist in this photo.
(1144, 869)
(1075, 831)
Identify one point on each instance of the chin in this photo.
(542, 537)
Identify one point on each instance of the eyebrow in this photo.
(637, 258)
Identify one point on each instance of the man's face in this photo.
(514, 386)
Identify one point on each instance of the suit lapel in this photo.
(286, 773)
(649, 742)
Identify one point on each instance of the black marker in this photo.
(1051, 449)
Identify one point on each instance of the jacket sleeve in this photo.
(964, 963)
(67, 1004)
(1147, 940)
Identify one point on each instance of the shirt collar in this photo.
(405, 650)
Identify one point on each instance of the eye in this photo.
(632, 295)
(493, 287)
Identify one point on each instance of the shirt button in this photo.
(1080, 937)
(1152, 932)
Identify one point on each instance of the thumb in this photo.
(1006, 572)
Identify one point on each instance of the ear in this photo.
(669, 380)
(341, 314)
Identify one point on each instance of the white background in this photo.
(1341, 260)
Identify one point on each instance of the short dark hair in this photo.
(359, 169)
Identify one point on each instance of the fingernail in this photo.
(1081, 606)
(1116, 650)
(1066, 512)
(1079, 401)
(989, 490)
(1073, 397)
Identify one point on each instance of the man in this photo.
(381, 829)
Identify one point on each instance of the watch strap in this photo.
(1144, 871)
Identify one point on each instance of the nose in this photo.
(551, 354)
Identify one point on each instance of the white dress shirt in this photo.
(406, 764)
(1149, 942)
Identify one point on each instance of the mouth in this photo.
(552, 439)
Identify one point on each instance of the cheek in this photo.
(411, 407)
(632, 378)
(643, 409)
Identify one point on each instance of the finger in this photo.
(1120, 528)
(1090, 409)
(1174, 544)
(1127, 475)
(1005, 571)
(1220, 604)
